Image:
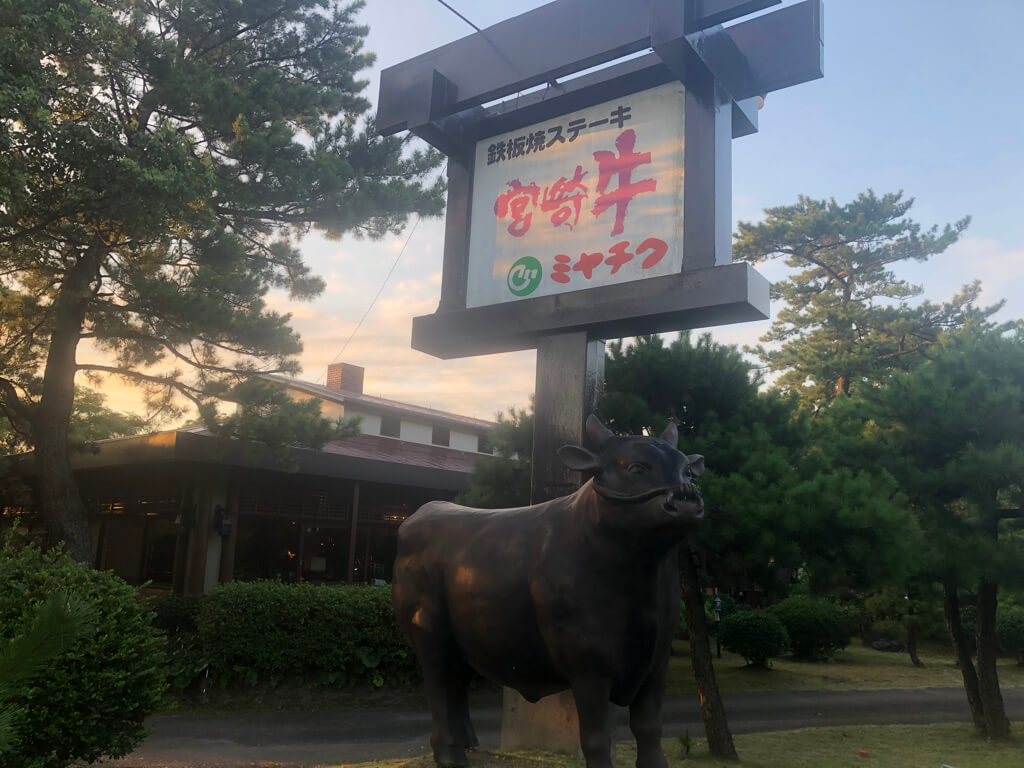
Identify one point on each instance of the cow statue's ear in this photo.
(696, 465)
(579, 459)
(598, 433)
(671, 434)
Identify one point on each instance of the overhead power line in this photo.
(379, 292)
(474, 26)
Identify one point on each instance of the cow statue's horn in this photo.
(598, 433)
(671, 434)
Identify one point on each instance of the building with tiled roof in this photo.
(184, 509)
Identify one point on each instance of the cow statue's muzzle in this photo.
(676, 499)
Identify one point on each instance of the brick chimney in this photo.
(345, 377)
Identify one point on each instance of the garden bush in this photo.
(755, 635)
(177, 616)
(265, 632)
(1010, 626)
(817, 628)
(91, 700)
(969, 625)
(176, 613)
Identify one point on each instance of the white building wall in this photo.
(464, 441)
(328, 409)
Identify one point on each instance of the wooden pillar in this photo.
(199, 540)
(570, 380)
(366, 557)
(227, 556)
(352, 532)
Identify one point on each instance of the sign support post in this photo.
(570, 381)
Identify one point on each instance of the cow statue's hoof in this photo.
(451, 757)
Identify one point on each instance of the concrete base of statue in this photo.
(550, 725)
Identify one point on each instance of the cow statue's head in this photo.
(648, 474)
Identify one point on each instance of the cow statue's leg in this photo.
(441, 677)
(460, 704)
(593, 708)
(419, 609)
(645, 718)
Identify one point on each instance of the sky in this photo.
(923, 96)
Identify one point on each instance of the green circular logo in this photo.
(524, 277)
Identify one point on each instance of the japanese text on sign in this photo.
(539, 140)
(593, 198)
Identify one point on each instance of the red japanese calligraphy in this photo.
(619, 256)
(655, 249)
(658, 249)
(517, 202)
(561, 269)
(621, 166)
(587, 263)
(565, 198)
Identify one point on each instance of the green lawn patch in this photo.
(856, 668)
(891, 746)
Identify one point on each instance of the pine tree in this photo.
(952, 433)
(846, 317)
(505, 480)
(158, 161)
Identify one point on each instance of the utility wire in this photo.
(553, 82)
(379, 292)
(474, 26)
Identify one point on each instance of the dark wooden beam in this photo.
(710, 13)
(750, 58)
(691, 299)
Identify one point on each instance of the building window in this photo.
(483, 445)
(441, 436)
(390, 426)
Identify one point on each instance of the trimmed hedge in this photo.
(817, 628)
(755, 635)
(1010, 626)
(264, 632)
(92, 700)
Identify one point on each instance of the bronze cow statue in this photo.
(581, 593)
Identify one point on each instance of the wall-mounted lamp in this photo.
(222, 521)
(183, 521)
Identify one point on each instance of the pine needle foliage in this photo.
(158, 163)
(847, 317)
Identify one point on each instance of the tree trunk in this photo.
(997, 724)
(961, 648)
(912, 642)
(61, 506)
(716, 726)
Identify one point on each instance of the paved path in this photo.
(332, 738)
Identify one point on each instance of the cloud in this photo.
(1001, 271)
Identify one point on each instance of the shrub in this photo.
(755, 635)
(91, 700)
(816, 628)
(176, 613)
(263, 632)
(969, 625)
(1010, 626)
(682, 628)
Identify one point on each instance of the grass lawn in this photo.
(892, 746)
(856, 668)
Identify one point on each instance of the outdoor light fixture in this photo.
(183, 520)
(222, 521)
